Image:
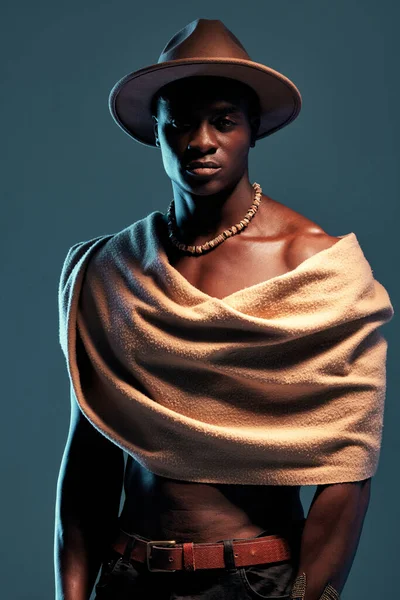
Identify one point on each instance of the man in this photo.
(204, 124)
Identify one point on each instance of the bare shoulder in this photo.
(304, 237)
(308, 242)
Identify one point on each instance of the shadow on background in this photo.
(71, 174)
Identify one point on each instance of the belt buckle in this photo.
(168, 544)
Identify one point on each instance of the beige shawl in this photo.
(280, 383)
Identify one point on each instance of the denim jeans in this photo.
(120, 580)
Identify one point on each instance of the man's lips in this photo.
(206, 167)
(200, 164)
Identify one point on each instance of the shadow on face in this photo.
(199, 91)
(210, 118)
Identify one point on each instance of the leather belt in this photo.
(169, 555)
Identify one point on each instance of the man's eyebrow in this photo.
(219, 110)
(231, 108)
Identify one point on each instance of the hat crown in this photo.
(203, 38)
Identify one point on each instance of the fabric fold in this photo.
(280, 383)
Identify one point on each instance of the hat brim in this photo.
(130, 98)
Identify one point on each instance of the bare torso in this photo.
(155, 507)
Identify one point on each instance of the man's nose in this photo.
(202, 138)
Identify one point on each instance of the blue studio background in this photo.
(71, 174)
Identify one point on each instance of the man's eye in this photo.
(179, 124)
(226, 122)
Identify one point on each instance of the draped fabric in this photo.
(280, 383)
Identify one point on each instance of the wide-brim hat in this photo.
(203, 47)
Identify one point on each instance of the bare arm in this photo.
(87, 505)
(331, 535)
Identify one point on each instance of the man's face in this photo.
(205, 123)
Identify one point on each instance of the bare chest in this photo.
(226, 270)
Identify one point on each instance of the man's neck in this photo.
(201, 216)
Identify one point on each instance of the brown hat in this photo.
(203, 47)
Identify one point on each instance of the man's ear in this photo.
(255, 125)
(155, 128)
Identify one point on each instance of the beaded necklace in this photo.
(172, 228)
